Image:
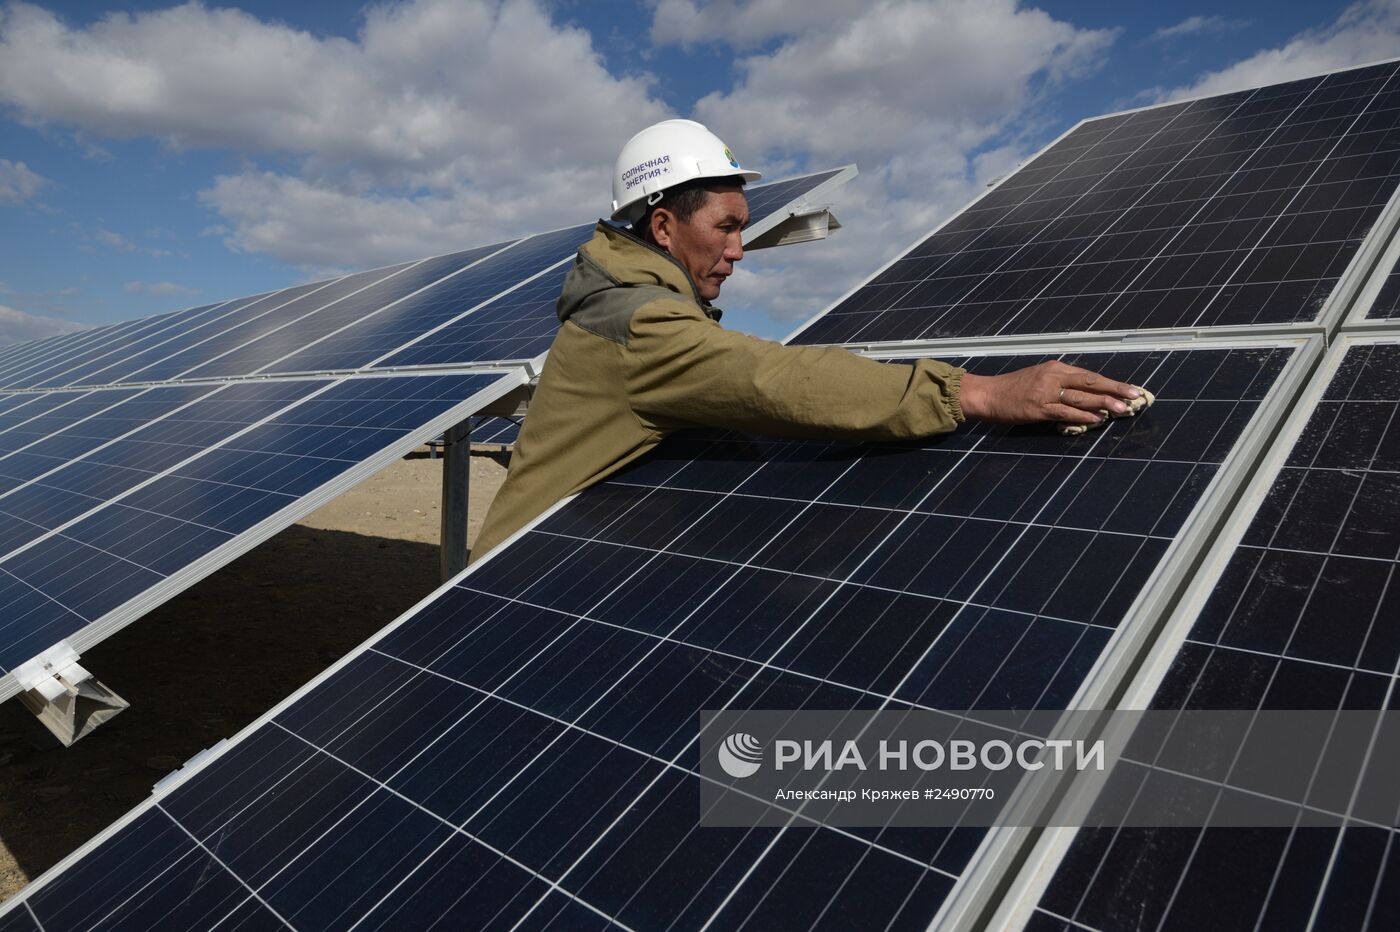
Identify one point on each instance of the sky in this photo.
(157, 156)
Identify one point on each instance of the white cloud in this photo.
(94, 237)
(1364, 32)
(741, 23)
(476, 117)
(926, 96)
(19, 327)
(1195, 26)
(159, 289)
(112, 240)
(18, 183)
(321, 225)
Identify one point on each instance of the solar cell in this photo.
(1240, 210)
(136, 494)
(1299, 611)
(522, 747)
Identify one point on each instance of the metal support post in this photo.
(456, 489)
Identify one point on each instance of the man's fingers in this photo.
(1068, 415)
(1097, 384)
(1089, 401)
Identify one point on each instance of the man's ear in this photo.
(662, 228)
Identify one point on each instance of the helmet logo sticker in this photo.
(730, 155)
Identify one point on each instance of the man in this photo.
(640, 352)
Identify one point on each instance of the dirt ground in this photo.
(214, 658)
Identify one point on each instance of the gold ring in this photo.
(1062, 396)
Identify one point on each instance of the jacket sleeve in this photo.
(684, 370)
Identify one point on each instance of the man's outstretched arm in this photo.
(686, 369)
(1050, 391)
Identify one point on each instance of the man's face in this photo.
(710, 241)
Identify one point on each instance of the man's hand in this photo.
(1051, 391)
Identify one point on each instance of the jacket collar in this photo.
(631, 260)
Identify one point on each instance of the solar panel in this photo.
(117, 499)
(522, 747)
(1298, 611)
(1240, 210)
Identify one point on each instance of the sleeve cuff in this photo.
(954, 384)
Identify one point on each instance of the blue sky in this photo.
(156, 156)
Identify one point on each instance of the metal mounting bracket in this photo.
(802, 225)
(64, 696)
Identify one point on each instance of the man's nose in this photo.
(734, 247)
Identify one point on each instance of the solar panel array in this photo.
(1244, 209)
(136, 458)
(520, 750)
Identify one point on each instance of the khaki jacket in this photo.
(640, 355)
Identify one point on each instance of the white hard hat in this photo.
(664, 155)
